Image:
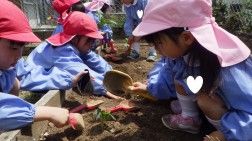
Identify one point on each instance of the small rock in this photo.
(42, 138)
(51, 124)
(139, 114)
(112, 130)
(46, 134)
(117, 125)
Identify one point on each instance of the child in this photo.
(198, 46)
(96, 9)
(15, 112)
(134, 11)
(61, 10)
(53, 63)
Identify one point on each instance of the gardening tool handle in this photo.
(114, 109)
(79, 108)
(145, 95)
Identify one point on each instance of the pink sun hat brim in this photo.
(229, 49)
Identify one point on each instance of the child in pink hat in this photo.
(197, 46)
(54, 63)
(15, 112)
(96, 9)
(134, 12)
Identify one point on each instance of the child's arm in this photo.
(160, 80)
(17, 113)
(95, 62)
(58, 116)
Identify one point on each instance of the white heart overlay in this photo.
(140, 13)
(194, 84)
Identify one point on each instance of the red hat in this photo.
(76, 23)
(61, 6)
(14, 24)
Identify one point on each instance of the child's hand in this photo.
(215, 136)
(138, 87)
(77, 77)
(59, 117)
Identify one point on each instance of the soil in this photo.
(140, 125)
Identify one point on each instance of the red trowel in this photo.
(90, 105)
(124, 106)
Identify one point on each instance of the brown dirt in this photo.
(141, 125)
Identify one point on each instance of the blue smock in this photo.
(132, 19)
(160, 80)
(49, 67)
(15, 112)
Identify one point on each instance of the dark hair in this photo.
(104, 8)
(209, 67)
(79, 6)
(78, 37)
(209, 63)
(18, 43)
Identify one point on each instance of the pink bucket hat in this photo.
(14, 25)
(96, 5)
(197, 16)
(76, 23)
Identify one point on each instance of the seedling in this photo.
(103, 115)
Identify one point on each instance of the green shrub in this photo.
(118, 28)
(234, 20)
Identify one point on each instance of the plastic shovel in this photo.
(124, 106)
(76, 121)
(90, 105)
(119, 82)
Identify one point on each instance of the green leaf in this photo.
(112, 117)
(98, 116)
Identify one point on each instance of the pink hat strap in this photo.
(229, 49)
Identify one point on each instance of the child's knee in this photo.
(212, 106)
